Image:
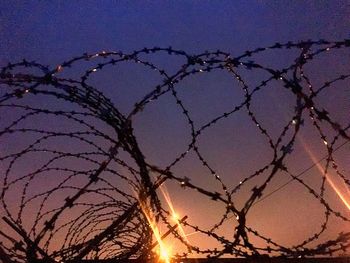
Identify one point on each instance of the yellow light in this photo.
(175, 216)
(163, 251)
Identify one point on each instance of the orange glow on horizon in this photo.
(163, 251)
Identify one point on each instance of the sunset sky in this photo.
(51, 33)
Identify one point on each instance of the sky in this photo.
(53, 32)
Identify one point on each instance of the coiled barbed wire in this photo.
(75, 174)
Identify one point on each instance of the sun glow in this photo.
(175, 216)
(163, 251)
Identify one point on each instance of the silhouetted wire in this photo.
(86, 190)
(299, 174)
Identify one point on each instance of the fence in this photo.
(77, 184)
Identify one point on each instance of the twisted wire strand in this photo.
(91, 210)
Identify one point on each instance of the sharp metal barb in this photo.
(75, 171)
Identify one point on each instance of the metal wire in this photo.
(80, 173)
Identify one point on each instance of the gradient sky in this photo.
(53, 32)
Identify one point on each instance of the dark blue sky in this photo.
(50, 31)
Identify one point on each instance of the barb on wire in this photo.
(73, 172)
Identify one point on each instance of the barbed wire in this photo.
(80, 177)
